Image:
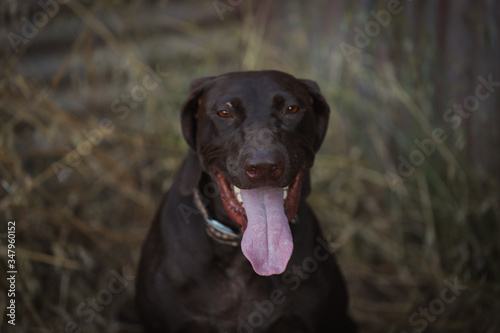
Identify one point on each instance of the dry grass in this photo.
(396, 245)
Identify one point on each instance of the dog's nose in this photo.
(264, 167)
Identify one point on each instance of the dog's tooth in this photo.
(236, 190)
(285, 193)
(238, 196)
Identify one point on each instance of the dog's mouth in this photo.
(263, 214)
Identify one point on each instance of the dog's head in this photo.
(256, 134)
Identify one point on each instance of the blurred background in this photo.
(406, 185)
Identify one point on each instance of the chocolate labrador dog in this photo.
(234, 246)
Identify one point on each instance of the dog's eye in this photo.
(292, 109)
(224, 114)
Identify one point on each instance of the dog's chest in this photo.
(227, 292)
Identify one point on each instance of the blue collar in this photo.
(215, 229)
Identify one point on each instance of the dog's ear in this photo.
(306, 185)
(191, 169)
(189, 110)
(190, 174)
(321, 111)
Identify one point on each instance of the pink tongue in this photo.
(267, 241)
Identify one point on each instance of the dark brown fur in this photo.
(189, 282)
